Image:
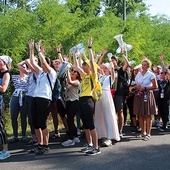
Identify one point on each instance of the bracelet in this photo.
(39, 51)
(59, 52)
(145, 89)
(89, 46)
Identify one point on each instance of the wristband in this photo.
(59, 52)
(39, 51)
(89, 47)
(145, 88)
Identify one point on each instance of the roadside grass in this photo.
(8, 125)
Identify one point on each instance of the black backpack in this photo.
(56, 90)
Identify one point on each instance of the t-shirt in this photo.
(43, 88)
(122, 80)
(145, 80)
(72, 92)
(86, 84)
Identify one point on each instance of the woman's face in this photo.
(86, 68)
(145, 66)
(2, 64)
(56, 65)
(105, 70)
(135, 71)
(74, 74)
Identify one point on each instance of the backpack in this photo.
(56, 90)
(96, 90)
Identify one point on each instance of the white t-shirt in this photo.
(145, 81)
(43, 88)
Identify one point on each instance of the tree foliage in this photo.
(75, 21)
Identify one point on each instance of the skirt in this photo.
(105, 118)
(141, 107)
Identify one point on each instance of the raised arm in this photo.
(126, 62)
(20, 66)
(59, 53)
(32, 58)
(91, 55)
(102, 56)
(43, 61)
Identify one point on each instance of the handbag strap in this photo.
(91, 81)
(49, 82)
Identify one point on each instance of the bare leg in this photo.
(94, 138)
(148, 124)
(121, 120)
(88, 136)
(45, 133)
(39, 135)
(5, 147)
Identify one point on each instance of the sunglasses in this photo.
(74, 71)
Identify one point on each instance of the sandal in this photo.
(147, 137)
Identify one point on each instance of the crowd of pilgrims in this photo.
(141, 91)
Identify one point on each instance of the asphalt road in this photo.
(130, 154)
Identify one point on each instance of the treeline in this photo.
(75, 21)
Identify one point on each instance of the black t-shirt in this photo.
(122, 82)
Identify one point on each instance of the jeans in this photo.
(15, 109)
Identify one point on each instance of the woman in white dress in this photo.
(105, 114)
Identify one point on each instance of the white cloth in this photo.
(105, 119)
(145, 80)
(43, 88)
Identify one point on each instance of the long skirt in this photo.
(141, 107)
(105, 118)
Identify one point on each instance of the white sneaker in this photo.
(5, 154)
(68, 143)
(76, 140)
(78, 132)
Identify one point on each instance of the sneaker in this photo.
(94, 151)
(14, 140)
(161, 129)
(5, 154)
(24, 139)
(32, 142)
(106, 143)
(87, 148)
(35, 150)
(157, 123)
(68, 143)
(78, 132)
(76, 140)
(43, 150)
(121, 135)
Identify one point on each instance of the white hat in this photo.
(107, 65)
(138, 67)
(6, 59)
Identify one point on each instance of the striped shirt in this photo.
(20, 82)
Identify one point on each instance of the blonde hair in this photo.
(148, 62)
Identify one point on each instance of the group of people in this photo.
(142, 89)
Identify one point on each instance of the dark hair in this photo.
(48, 60)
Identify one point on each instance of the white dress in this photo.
(105, 118)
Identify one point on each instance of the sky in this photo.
(159, 7)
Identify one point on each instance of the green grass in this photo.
(8, 125)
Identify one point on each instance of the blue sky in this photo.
(159, 7)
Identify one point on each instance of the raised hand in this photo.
(90, 41)
(59, 48)
(38, 45)
(31, 44)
